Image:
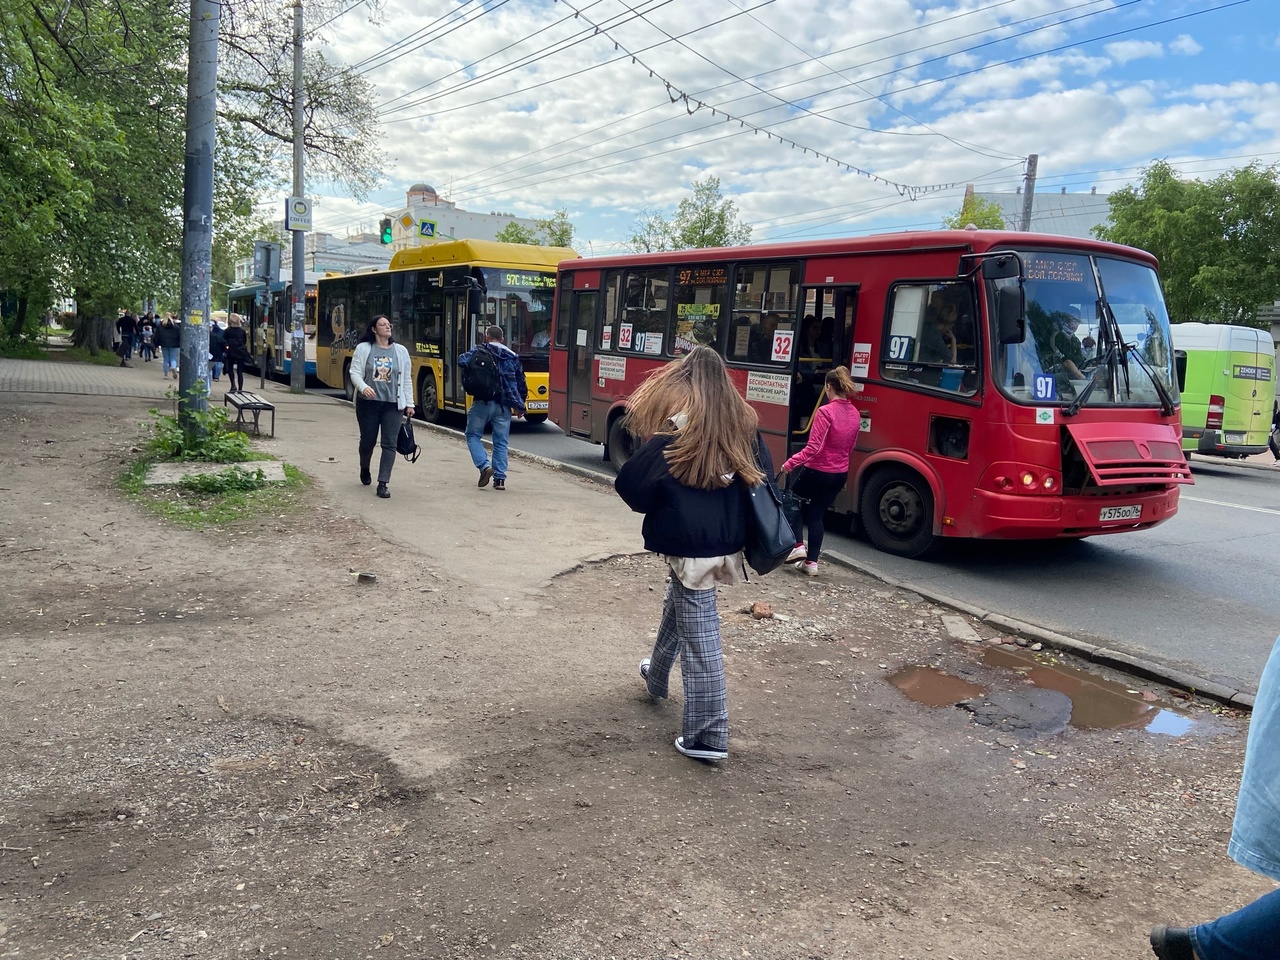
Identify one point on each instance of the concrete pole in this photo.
(298, 348)
(197, 210)
(1028, 195)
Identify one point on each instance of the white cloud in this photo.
(1185, 45)
(1124, 51)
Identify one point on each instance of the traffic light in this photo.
(386, 229)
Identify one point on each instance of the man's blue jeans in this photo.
(481, 413)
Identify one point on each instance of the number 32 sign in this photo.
(782, 340)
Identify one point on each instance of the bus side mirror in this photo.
(1011, 314)
(1000, 268)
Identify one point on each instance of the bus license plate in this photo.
(535, 405)
(1236, 438)
(1130, 512)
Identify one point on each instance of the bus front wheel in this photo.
(428, 401)
(897, 512)
(621, 443)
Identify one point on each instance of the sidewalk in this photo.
(220, 742)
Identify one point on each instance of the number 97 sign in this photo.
(782, 341)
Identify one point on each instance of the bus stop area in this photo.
(229, 743)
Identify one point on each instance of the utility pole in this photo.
(197, 210)
(298, 350)
(1029, 193)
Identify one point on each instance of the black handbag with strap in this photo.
(405, 444)
(769, 534)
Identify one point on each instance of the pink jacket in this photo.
(831, 438)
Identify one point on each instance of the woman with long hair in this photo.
(383, 378)
(169, 339)
(701, 446)
(824, 464)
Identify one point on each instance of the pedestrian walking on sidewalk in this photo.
(686, 479)
(236, 346)
(217, 350)
(1252, 932)
(491, 405)
(823, 464)
(127, 326)
(169, 339)
(146, 338)
(383, 378)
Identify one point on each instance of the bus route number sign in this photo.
(1045, 388)
(782, 341)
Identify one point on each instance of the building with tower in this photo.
(427, 217)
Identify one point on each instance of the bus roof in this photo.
(968, 241)
(482, 253)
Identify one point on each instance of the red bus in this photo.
(1012, 385)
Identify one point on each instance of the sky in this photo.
(820, 119)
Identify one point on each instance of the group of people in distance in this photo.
(228, 347)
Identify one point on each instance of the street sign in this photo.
(266, 260)
(297, 213)
(426, 228)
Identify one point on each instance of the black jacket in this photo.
(681, 521)
(168, 335)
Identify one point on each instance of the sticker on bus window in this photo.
(861, 366)
(624, 337)
(606, 337)
(1045, 388)
(782, 341)
(1044, 415)
(611, 368)
(742, 340)
(652, 343)
(769, 388)
(582, 338)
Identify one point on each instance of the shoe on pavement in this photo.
(809, 568)
(1172, 943)
(798, 552)
(365, 476)
(700, 751)
(383, 492)
(500, 484)
(644, 675)
(486, 474)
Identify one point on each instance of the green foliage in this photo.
(230, 505)
(705, 219)
(983, 214)
(233, 479)
(1215, 240)
(82, 355)
(515, 232)
(554, 231)
(17, 348)
(197, 435)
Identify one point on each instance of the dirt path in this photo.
(219, 744)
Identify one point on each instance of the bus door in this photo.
(280, 330)
(824, 335)
(458, 327)
(580, 362)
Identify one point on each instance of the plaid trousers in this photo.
(690, 628)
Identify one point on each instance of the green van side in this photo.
(1227, 377)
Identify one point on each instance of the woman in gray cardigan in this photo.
(383, 378)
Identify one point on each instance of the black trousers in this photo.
(820, 490)
(372, 416)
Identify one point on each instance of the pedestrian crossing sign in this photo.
(426, 228)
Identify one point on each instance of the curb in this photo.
(1103, 656)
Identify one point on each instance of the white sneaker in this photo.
(808, 568)
(798, 552)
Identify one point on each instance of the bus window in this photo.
(646, 305)
(564, 298)
(764, 304)
(932, 337)
(612, 284)
(701, 296)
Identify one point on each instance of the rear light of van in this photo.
(1216, 406)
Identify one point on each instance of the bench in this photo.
(249, 403)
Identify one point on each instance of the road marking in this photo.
(1238, 506)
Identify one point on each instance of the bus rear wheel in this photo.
(428, 401)
(348, 387)
(897, 512)
(621, 443)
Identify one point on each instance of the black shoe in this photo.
(1172, 943)
(700, 751)
(486, 473)
(500, 484)
(365, 476)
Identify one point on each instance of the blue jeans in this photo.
(481, 413)
(1253, 931)
(170, 359)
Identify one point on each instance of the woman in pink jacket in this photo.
(825, 459)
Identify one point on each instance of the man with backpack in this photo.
(494, 378)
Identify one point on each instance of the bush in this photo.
(208, 437)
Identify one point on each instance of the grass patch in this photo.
(229, 497)
(104, 358)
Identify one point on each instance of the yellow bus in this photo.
(440, 298)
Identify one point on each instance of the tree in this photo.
(1215, 240)
(554, 231)
(983, 214)
(650, 233)
(705, 219)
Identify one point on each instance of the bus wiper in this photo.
(1108, 358)
(1166, 401)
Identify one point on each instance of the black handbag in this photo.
(769, 535)
(791, 504)
(405, 444)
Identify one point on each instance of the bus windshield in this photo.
(1108, 345)
(519, 301)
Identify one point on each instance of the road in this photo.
(1195, 593)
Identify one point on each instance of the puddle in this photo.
(1096, 703)
(932, 687)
